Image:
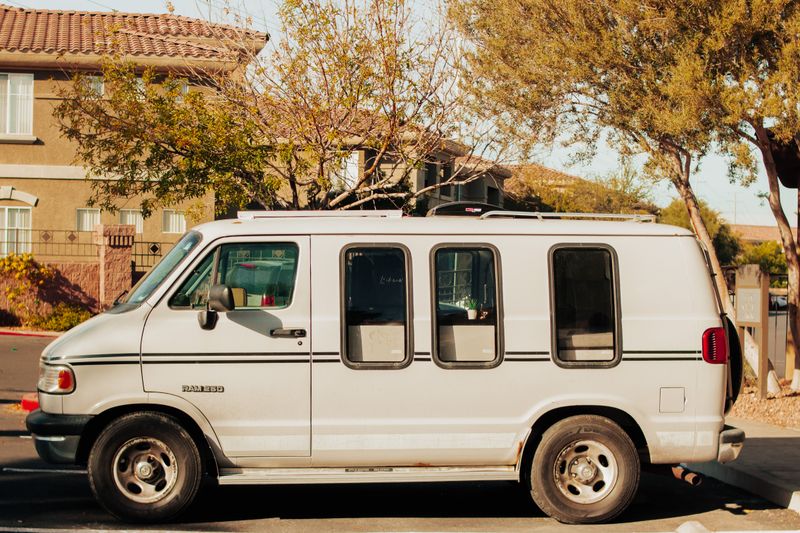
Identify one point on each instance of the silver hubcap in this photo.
(585, 471)
(145, 470)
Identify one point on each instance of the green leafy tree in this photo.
(277, 132)
(768, 254)
(726, 243)
(587, 72)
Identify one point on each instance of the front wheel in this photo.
(145, 467)
(585, 470)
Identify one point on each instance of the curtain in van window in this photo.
(585, 316)
(376, 310)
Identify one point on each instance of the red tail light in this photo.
(715, 346)
(65, 380)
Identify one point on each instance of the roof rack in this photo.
(462, 209)
(379, 213)
(591, 216)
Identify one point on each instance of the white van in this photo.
(370, 347)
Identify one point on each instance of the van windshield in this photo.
(145, 287)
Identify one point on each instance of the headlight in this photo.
(56, 379)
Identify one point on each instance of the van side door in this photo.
(250, 374)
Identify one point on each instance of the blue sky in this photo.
(737, 204)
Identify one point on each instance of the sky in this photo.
(738, 205)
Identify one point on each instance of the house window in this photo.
(431, 174)
(96, 85)
(87, 219)
(493, 195)
(16, 104)
(183, 90)
(348, 174)
(132, 217)
(376, 312)
(447, 174)
(585, 305)
(173, 221)
(466, 307)
(15, 230)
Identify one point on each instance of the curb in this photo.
(26, 333)
(774, 490)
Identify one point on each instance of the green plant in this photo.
(23, 276)
(472, 303)
(62, 317)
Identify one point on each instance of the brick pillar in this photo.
(114, 249)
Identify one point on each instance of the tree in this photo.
(726, 243)
(349, 76)
(621, 192)
(584, 72)
(752, 57)
(768, 255)
(635, 73)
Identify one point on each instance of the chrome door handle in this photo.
(295, 333)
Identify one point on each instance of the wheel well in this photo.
(621, 418)
(99, 422)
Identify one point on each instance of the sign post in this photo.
(752, 310)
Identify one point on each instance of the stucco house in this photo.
(43, 190)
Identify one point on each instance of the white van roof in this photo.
(391, 222)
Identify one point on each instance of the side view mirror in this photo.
(220, 299)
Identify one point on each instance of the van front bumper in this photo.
(56, 437)
(731, 441)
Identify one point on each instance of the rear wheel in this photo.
(585, 470)
(145, 467)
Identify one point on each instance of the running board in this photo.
(378, 474)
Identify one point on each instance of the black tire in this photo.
(135, 441)
(560, 458)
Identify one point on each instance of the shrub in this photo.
(24, 277)
(7, 318)
(64, 316)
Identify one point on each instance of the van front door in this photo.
(250, 374)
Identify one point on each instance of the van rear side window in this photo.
(585, 306)
(466, 309)
(376, 322)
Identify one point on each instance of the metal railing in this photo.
(145, 254)
(48, 243)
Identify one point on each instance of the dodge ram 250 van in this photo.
(369, 347)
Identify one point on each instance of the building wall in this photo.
(46, 168)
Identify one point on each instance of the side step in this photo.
(378, 474)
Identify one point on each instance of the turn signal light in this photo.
(56, 379)
(715, 346)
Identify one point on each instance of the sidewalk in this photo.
(769, 465)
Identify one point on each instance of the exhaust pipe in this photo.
(692, 478)
(678, 472)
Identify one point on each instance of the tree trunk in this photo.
(789, 246)
(750, 347)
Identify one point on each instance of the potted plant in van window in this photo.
(472, 308)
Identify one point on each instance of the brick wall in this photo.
(93, 285)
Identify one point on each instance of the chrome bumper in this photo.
(731, 440)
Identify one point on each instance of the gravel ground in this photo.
(782, 409)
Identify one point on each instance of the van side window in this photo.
(466, 307)
(259, 274)
(376, 311)
(585, 305)
(193, 292)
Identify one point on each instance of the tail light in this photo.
(56, 379)
(715, 346)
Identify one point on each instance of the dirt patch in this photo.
(781, 409)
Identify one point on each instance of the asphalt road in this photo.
(35, 495)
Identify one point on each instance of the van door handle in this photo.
(295, 333)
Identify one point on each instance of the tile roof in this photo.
(759, 233)
(537, 174)
(98, 33)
